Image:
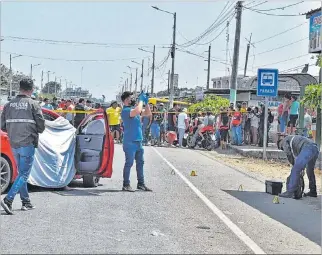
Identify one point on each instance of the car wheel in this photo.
(5, 174)
(90, 181)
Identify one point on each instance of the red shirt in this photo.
(237, 118)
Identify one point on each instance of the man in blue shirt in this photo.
(132, 138)
(294, 114)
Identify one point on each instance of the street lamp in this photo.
(56, 83)
(172, 52)
(131, 77)
(153, 65)
(31, 67)
(141, 73)
(10, 87)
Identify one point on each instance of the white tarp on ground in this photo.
(54, 159)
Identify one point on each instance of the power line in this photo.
(216, 24)
(280, 33)
(264, 2)
(272, 14)
(281, 47)
(50, 41)
(282, 61)
(203, 57)
(219, 33)
(75, 60)
(294, 68)
(278, 8)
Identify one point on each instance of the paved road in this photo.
(184, 214)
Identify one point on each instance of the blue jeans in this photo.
(133, 150)
(24, 158)
(237, 134)
(307, 158)
(282, 124)
(145, 133)
(155, 130)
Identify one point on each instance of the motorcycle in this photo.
(206, 143)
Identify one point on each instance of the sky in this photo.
(121, 27)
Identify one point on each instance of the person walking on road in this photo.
(301, 152)
(182, 125)
(22, 119)
(132, 140)
(114, 116)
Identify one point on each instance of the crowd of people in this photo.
(240, 125)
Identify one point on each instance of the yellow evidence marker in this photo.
(240, 188)
(276, 200)
(193, 173)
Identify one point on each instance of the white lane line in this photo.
(233, 227)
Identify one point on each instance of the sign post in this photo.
(267, 86)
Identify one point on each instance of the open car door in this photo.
(94, 149)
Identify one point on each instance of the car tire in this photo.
(5, 174)
(90, 181)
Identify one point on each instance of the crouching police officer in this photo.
(22, 119)
(301, 152)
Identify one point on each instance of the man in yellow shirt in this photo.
(114, 117)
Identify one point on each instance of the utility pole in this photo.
(31, 71)
(60, 85)
(10, 81)
(142, 76)
(127, 83)
(247, 53)
(48, 81)
(227, 47)
(136, 82)
(173, 58)
(153, 63)
(131, 82)
(208, 71)
(42, 79)
(55, 86)
(234, 73)
(169, 83)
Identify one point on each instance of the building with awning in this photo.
(247, 86)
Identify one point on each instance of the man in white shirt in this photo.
(182, 125)
(307, 123)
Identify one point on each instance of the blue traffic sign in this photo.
(267, 82)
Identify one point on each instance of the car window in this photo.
(94, 127)
(48, 117)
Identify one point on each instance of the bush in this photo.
(211, 102)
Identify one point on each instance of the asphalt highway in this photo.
(184, 214)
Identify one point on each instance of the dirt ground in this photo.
(266, 169)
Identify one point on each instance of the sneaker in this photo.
(128, 188)
(7, 206)
(311, 194)
(287, 194)
(27, 206)
(143, 187)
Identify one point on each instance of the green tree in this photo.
(5, 78)
(51, 87)
(212, 103)
(312, 97)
